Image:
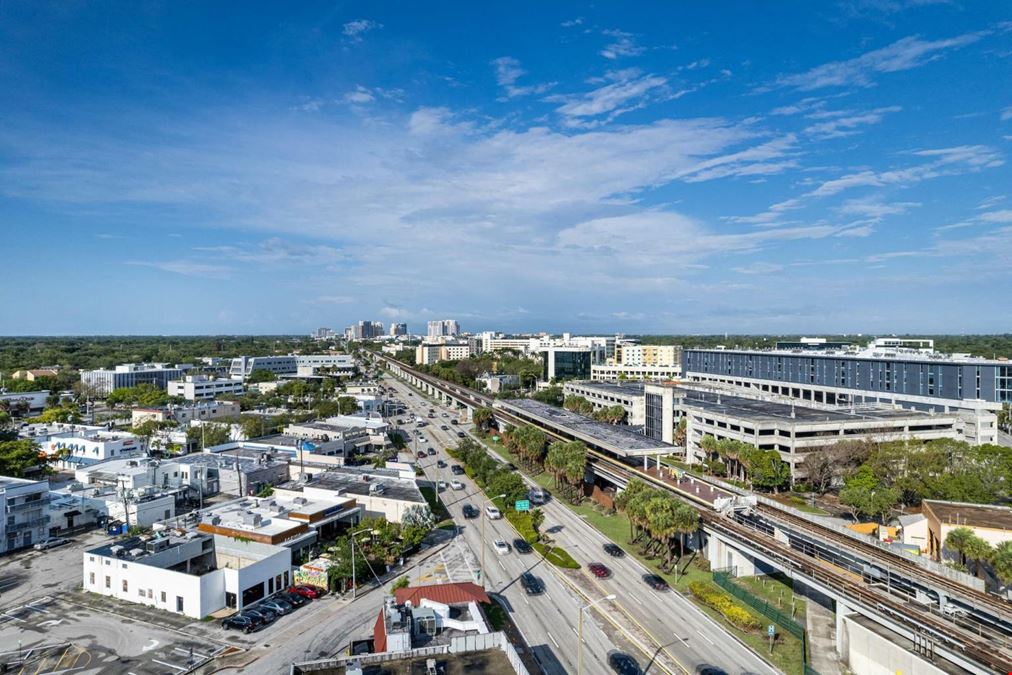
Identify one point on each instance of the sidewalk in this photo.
(820, 622)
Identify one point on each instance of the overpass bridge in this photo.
(900, 591)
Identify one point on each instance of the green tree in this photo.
(20, 457)
(66, 413)
(208, 434)
(483, 418)
(508, 483)
(551, 395)
(614, 414)
(1001, 562)
(957, 541)
(578, 404)
(396, 439)
(402, 582)
(347, 405)
(979, 551)
(766, 470)
(866, 495)
(260, 375)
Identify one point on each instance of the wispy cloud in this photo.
(1006, 114)
(187, 268)
(759, 268)
(628, 89)
(904, 54)
(570, 23)
(354, 30)
(623, 44)
(848, 124)
(508, 71)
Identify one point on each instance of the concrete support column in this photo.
(841, 633)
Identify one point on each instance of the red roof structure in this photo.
(447, 594)
(379, 634)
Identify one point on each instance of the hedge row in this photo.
(524, 524)
(557, 556)
(735, 614)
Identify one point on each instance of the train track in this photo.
(929, 627)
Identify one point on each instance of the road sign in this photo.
(771, 630)
(523, 505)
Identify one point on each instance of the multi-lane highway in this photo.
(665, 630)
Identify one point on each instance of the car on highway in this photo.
(311, 592)
(501, 547)
(492, 513)
(614, 550)
(441, 485)
(655, 582)
(522, 546)
(52, 542)
(430, 451)
(457, 470)
(623, 664)
(444, 427)
(599, 570)
(441, 464)
(532, 585)
(240, 622)
(420, 455)
(453, 422)
(470, 512)
(445, 415)
(460, 434)
(456, 485)
(277, 605)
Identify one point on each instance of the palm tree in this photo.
(1001, 562)
(662, 522)
(555, 460)
(686, 522)
(957, 540)
(575, 466)
(979, 551)
(625, 501)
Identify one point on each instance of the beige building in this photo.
(648, 355)
(32, 375)
(433, 352)
(991, 523)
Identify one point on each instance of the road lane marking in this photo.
(704, 637)
(636, 598)
(170, 665)
(553, 640)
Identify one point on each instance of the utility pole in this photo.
(579, 657)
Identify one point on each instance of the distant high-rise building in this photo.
(364, 330)
(443, 328)
(398, 329)
(322, 334)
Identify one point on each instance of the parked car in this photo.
(430, 451)
(532, 585)
(614, 550)
(441, 464)
(263, 615)
(311, 592)
(501, 547)
(457, 470)
(623, 664)
(470, 512)
(492, 513)
(655, 582)
(240, 622)
(599, 570)
(52, 542)
(294, 599)
(456, 485)
(522, 546)
(278, 605)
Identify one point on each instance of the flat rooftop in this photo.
(488, 662)
(971, 515)
(249, 460)
(876, 354)
(11, 482)
(613, 438)
(355, 481)
(771, 411)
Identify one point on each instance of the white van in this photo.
(492, 513)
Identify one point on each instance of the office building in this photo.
(611, 371)
(432, 352)
(888, 371)
(83, 446)
(198, 387)
(323, 334)
(184, 414)
(444, 327)
(388, 492)
(26, 512)
(364, 330)
(24, 402)
(397, 329)
(190, 573)
(293, 364)
(566, 362)
(32, 375)
(242, 471)
(101, 382)
(496, 383)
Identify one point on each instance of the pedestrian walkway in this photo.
(820, 623)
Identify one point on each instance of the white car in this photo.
(492, 513)
(441, 485)
(501, 547)
(52, 542)
(456, 485)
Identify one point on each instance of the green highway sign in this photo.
(523, 505)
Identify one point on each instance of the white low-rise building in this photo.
(198, 387)
(193, 574)
(388, 492)
(26, 512)
(184, 414)
(77, 448)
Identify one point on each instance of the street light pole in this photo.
(484, 517)
(354, 585)
(579, 647)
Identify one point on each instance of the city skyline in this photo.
(778, 170)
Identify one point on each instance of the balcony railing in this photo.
(28, 524)
(22, 506)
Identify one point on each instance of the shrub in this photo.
(524, 524)
(557, 556)
(735, 614)
(403, 582)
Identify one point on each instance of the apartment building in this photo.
(444, 327)
(433, 352)
(26, 512)
(103, 381)
(648, 355)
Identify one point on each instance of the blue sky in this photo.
(726, 167)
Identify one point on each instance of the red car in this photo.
(311, 592)
(421, 455)
(599, 570)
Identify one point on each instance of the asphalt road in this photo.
(665, 625)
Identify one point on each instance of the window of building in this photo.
(91, 578)
(163, 596)
(179, 603)
(108, 582)
(125, 588)
(150, 593)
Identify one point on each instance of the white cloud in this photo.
(759, 268)
(1006, 114)
(904, 54)
(1002, 216)
(848, 124)
(875, 209)
(355, 29)
(624, 44)
(359, 95)
(336, 299)
(187, 268)
(629, 89)
(508, 71)
(578, 21)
